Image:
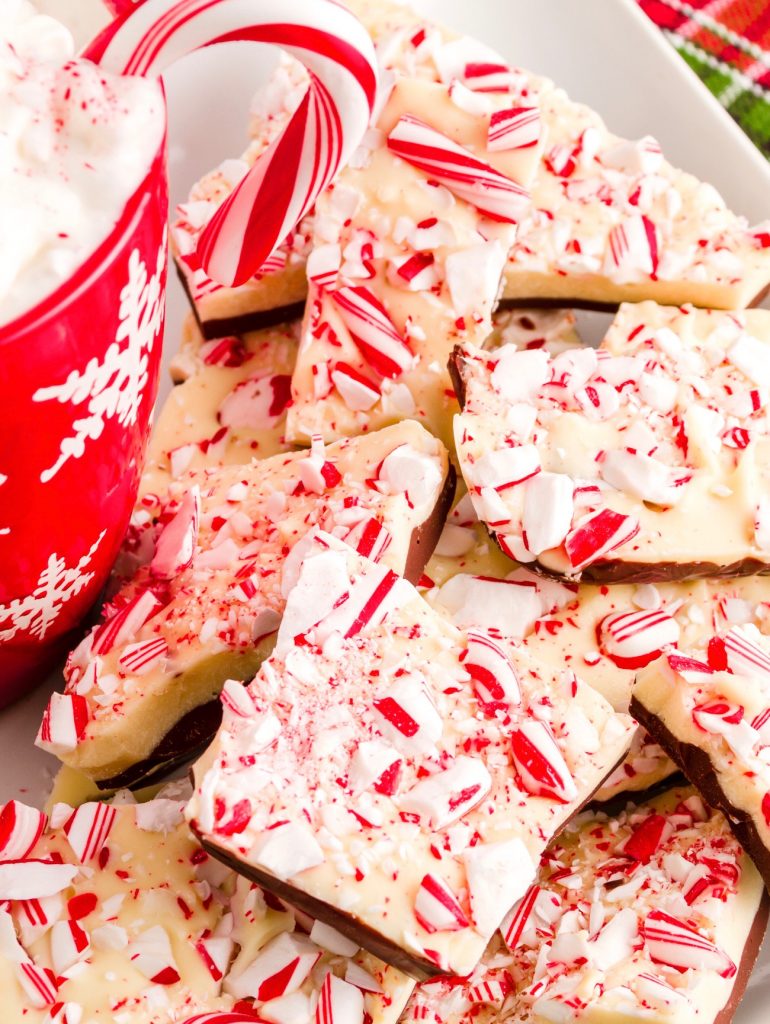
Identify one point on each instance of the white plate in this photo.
(604, 52)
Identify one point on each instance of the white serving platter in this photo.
(604, 52)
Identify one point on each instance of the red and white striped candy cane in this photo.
(320, 137)
(473, 180)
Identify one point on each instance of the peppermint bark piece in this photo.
(392, 775)
(203, 595)
(657, 915)
(611, 220)
(405, 43)
(229, 409)
(604, 634)
(409, 246)
(114, 913)
(709, 707)
(644, 461)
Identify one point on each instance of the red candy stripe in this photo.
(540, 764)
(64, 722)
(20, 828)
(436, 907)
(125, 623)
(469, 178)
(671, 942)
(596, 536)
(517, 128)
(372, 330)
(222, 1017)
(88, 829)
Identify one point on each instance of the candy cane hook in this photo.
(320, 137)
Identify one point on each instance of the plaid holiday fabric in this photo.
(727, 44)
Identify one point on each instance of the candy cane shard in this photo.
(20, 828)
(634, 639)
(711, 716)
(152, 908)
(586, 463)
(643, 961)
(319, 137)
(214, 558)
(373, 331)
(427, 761)
(516, 128)
(462, 173)
(671, 942)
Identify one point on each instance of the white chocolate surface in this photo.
(214, 617)
(151, 879)
(327, 717)
(664, 428)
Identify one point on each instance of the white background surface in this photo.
(604, 52)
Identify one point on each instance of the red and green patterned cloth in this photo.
(727, 44)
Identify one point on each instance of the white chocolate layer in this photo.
(392, 770)
(229, 409)
(167, 932)
(205, 590)
(651, 451)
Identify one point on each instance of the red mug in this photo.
(78, 372)
(78, 379)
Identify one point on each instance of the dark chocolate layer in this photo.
(358, 932)
(243, 323)
(615, 570)
(186, 739)
(746, 964)
(697, 766)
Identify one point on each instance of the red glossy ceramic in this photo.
(78, 378)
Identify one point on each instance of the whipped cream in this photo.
(75, 143)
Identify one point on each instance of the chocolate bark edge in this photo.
(594, 306)
(242, 323)
(346, 924)
(696, 765)
(185, 740)
(617, 804)
(426, 536)
(416, 967)
(455, 367)
(746, 963)
(620, 571)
